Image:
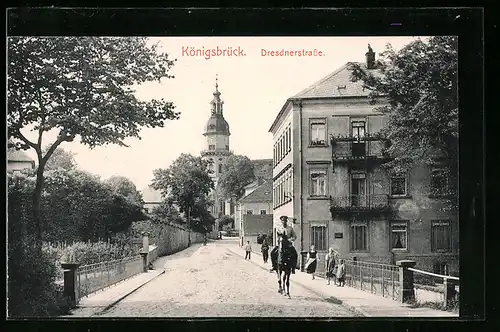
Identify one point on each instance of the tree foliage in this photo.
(238, 172)
(167, 211)
(225, 220)
(122, 186)
(60, 159)
(81, 87)
(187, 183)
(418, 87)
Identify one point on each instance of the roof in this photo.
(18, 155)
(216, 124)
(337, 84)
(263, 194)
(263, 168)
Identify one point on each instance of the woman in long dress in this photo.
(312, 261)
(330, 265)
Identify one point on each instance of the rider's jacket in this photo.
(289, 231)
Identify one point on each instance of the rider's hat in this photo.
(284, 218)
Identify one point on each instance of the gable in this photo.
(263, 194)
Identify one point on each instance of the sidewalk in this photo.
(358, 301)
(102, 300)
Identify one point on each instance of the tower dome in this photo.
(216, 124)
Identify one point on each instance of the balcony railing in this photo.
(357, 203)
(357, 148)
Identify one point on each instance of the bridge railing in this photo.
(446, 290)
(376, 278)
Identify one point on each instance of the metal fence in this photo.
(437, 288)
(93, 277)
(380, 279)
(361, 201)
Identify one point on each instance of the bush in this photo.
(32, 291)
(85, 253)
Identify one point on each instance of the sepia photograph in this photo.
(170, 176)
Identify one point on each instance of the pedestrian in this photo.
(265, 250)
(341, 273)
(248, 250)
(312, 261)
(330, 265)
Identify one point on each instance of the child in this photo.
(248, 250)
(341, 273)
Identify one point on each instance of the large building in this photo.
(328, 175)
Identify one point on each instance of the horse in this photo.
(284, 262)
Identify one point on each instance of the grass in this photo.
(453, 307)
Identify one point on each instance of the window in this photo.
(440, 236)
(211, 147)
(211, 165)
(220, 168)
(358, 129)
(227, 147)
(318, 132)
(289, 139)
(398, 186)
(262, 211)
(318, 237)
(249, 212)
(318, 183)
(399, 236)
(359, 237)
(286, 141)
(439, 182)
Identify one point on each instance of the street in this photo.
(214, 282)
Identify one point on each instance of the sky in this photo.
(253, 87)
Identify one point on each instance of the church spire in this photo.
(217, 102)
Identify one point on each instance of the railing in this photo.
(94, 277)
(153, 253)
(445, 290)
(376, 278)
(361, 201)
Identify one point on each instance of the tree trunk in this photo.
(37, 199)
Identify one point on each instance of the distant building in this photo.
(18, 161)
(151, 197)
(217, 150)
(327, 174)
(254, 211)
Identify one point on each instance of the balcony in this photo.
(372, 204)
(351, 148)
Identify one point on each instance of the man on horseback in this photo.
(287, 233)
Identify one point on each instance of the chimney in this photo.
(370, 58)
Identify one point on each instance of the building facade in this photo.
(254, 212)
(18, 161)
(328, 175)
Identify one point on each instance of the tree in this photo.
(78, 206)
(225, 220)
(419, 85)
(60, 159)
(238, 172)
(80, 86)
(126, 188)
(187, 183)
(166, 211)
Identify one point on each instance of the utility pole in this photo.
(189, 226)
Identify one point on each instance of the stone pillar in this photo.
(145, 245)
(406, 289)
(303, 257)
(449, 291)
(71, 283)
(144, 261)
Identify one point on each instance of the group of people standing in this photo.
(333, 271)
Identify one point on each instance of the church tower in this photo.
(217, 145)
